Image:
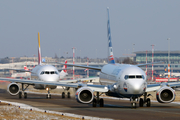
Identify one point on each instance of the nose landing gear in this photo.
(48, 96)
(133, 100)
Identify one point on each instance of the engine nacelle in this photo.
(165, 95)
(84, 95)
(13, 89)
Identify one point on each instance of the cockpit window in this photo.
(126, 77)
(49, 72)
(42, 72)
(138, 76)
(46, 72)
(52, 72)
(134, 76)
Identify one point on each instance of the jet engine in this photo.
(13, 89)
(84, 95)
(165, 95)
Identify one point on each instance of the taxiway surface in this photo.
(115, 109)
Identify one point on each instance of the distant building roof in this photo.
(160, 52)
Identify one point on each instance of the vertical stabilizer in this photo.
(110, 49)
(39, 50)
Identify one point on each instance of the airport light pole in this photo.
(152, 60)
(168, 59)
(73, 59)
(146, 62)
(59, 55)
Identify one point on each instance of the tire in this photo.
(63, 95)
(101, 102)
(133, 105)
(25, 95)
(141, 102)
(49, 96)
(148, 102)
(20, 95)
(94, 103)
(69, 95)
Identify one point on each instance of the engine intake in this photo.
(84, 95)
(165, 95)
(13, 89)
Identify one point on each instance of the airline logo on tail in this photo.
(39, 50)
(65, 67)
(110, 57)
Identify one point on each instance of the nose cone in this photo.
(50, 78)
(137, 86)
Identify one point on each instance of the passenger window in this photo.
(56, 72)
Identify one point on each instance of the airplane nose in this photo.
(54, 78)
(137, 87)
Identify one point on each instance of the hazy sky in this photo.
(64, 24)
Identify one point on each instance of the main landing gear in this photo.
(98, 100)
(146, 100)
(68, 93)
(64, 95)
(22, 93)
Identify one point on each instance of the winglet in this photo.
(110, 52)
(39, 50)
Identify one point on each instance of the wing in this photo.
(154, 87)
(79, 80)
(20, 70)
(82, 66)
(139, 65)
(98, 88)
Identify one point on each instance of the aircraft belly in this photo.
(41, 86)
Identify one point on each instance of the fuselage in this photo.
(46, 73)
(123, 80)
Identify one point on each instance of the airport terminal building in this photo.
(161, 68)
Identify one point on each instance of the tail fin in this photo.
(110, 51)
(39, 51)
(65, 67)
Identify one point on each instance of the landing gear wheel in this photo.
(48, 96)
(141, 102)
(133, 105)
(25, 95)
(63, 95)
(68, 95)
(101, 102)
(148, 102)
(94, 103)
(20, 95)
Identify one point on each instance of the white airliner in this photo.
(39, 75)
(123, 81)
